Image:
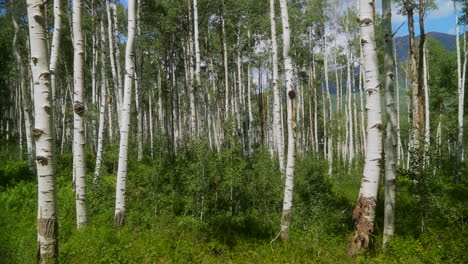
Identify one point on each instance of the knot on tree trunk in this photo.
(78, 107)
(37, 132)
(365, 21)
(292, 94)
(42, 160)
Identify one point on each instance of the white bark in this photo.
(225, 64)
(138, 90)
(327, 135)
(55, 44)
(47, 225)
(400, 153)
(102, 106)
(196, 43)
(116, 40)
(391, 134)
(24, 93)
(461, 99)
(288, 69)
(427, 127)
(365, 208)
(125, 121)
(78, 117)
(193, 116)
(277, 128)
(115, 78)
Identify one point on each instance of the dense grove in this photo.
(206, 207)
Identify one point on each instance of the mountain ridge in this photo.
(402, 43)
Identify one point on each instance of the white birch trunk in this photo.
(125, 121)
(427, 127)
(116, 40)
(102, 106)
(78, 117)
(364, 212)
(288, 69)
(226, 71)
(277, 128)
(55, 45)
(115, 78)
(391, 134)
(24, 94)
(47, 225)
(461, 99)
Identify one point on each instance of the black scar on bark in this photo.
(119, 219)
(78, 107)
(42, 160)
(37, 132)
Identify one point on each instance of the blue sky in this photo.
(440, 20)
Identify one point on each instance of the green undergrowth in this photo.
(205, 207)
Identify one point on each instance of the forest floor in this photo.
(205, 207)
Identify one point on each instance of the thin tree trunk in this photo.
(138, 86)
(55, 45)
(78, 118)
(115, 78)
(225, 63)
(125, 121)
(47, 224)
(277, 128)
(461, 99)
(24, 94)
(364, 212)
(391, 134)
(102, 106)
(290, 167)
(416, 97)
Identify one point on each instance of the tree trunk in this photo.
(391, 134)
(461, 100)
(22, 89)
(225, 63)
(102, 106)
(277, 128)
(125, 121)
(78, 118)
(416, 97)
(115, 78)
(288, 69)
(364, 213)
(47, 225)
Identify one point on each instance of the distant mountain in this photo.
(402, 43)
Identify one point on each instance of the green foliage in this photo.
(201, 206)
(12, 172)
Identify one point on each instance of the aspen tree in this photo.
(25, 105)
(102, 105)
(79, 108)
(364, 213)
(277, 128)
(47, 224)
(55, 45)
(125, 121)
(461, 99)
(138, 85)
(391, 129)
(291, 93)
(115, 78)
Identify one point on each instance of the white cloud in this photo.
(451, 31)
(444, 9)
